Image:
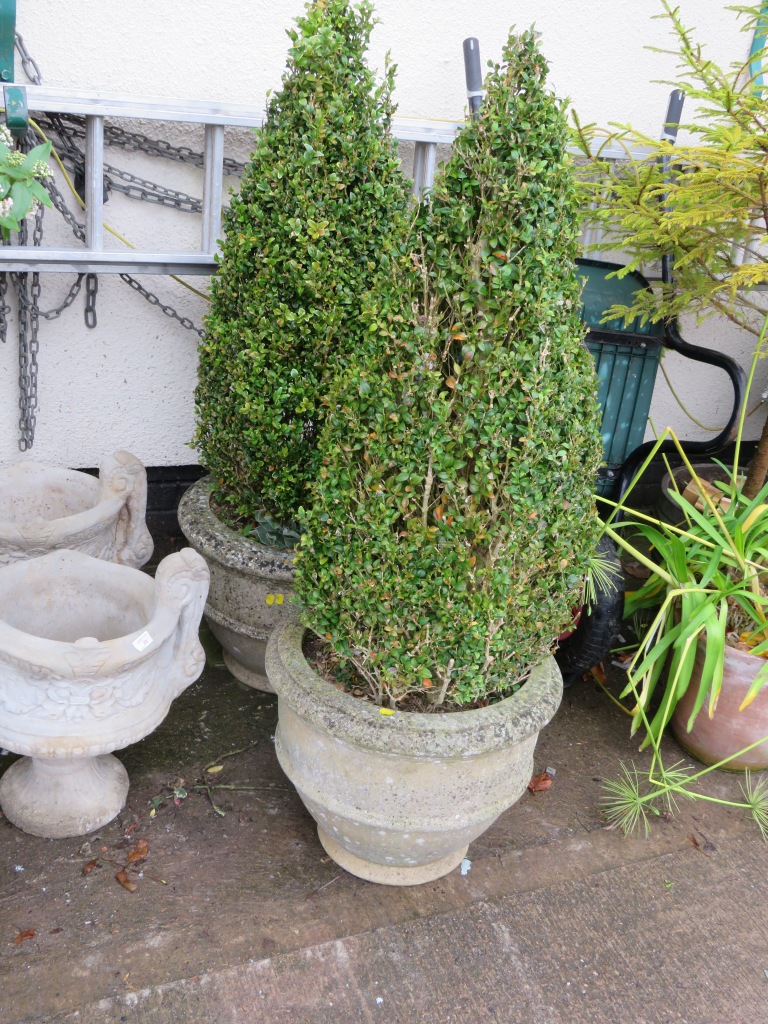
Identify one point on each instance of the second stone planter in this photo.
(251, 586)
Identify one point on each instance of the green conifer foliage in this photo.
(454, 516)
(304, 239)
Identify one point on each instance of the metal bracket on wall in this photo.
(16, 110)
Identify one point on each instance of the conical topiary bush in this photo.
(454, 517)
(305, 237)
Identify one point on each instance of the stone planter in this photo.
(711, 740)
(43, 508)
(251, 586)
(398, 798)
(91, 656)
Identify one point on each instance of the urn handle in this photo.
(182, 580)
(123, 476)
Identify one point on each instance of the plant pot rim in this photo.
(219, 542)
(416, 734)
(700, 468)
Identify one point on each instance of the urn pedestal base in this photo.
(56, 799)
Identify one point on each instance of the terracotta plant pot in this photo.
(711, 740)
(251, 586)
(44, 508)
(398, 798)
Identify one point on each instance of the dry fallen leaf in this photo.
(125, 881)
(539, 783)
(598, 673)
(91, 865)
(139, 851)
(30, 933)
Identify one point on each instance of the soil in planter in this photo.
(345, 676)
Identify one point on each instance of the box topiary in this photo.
(453, 517)
(304, 239)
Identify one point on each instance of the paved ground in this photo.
(240, 917)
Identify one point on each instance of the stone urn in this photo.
(715, 739)
(251, 586)
(43, 508)
(398, 797)
(91, 656)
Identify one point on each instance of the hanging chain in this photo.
(28, 62)
(91, 290)
(26, 286)
(140, 188)
(5, 309)
(153, 300)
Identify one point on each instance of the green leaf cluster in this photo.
(703, 201)
(453, 516)
(304, 239)
(21, 188)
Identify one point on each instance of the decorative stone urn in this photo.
(91, 656)
(43, 508)
(398, 797)
(251, 586)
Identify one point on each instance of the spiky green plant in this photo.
(304, 238)
(453, 518)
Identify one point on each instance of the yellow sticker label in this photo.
(270, 599)
(386, 711)
(279, 598)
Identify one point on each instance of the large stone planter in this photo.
(712, 740)
(91, 656)
(398, 798)
(44, 508)
(251, 586)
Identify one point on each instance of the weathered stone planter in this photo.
(398, 798)
(251, 586)
(43, 508)
(91, 656)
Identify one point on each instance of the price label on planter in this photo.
(143, 641)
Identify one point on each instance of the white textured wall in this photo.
(129, 383)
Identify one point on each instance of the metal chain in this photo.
(136, 142)
(91, 290)
(28, 289)
(56, 311)
(60, 204)
(5, 309)
(153, 300)
(28, 62)
(67, 128)
(150, 192)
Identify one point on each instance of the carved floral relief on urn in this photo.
(45, 508)
(91, 656)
